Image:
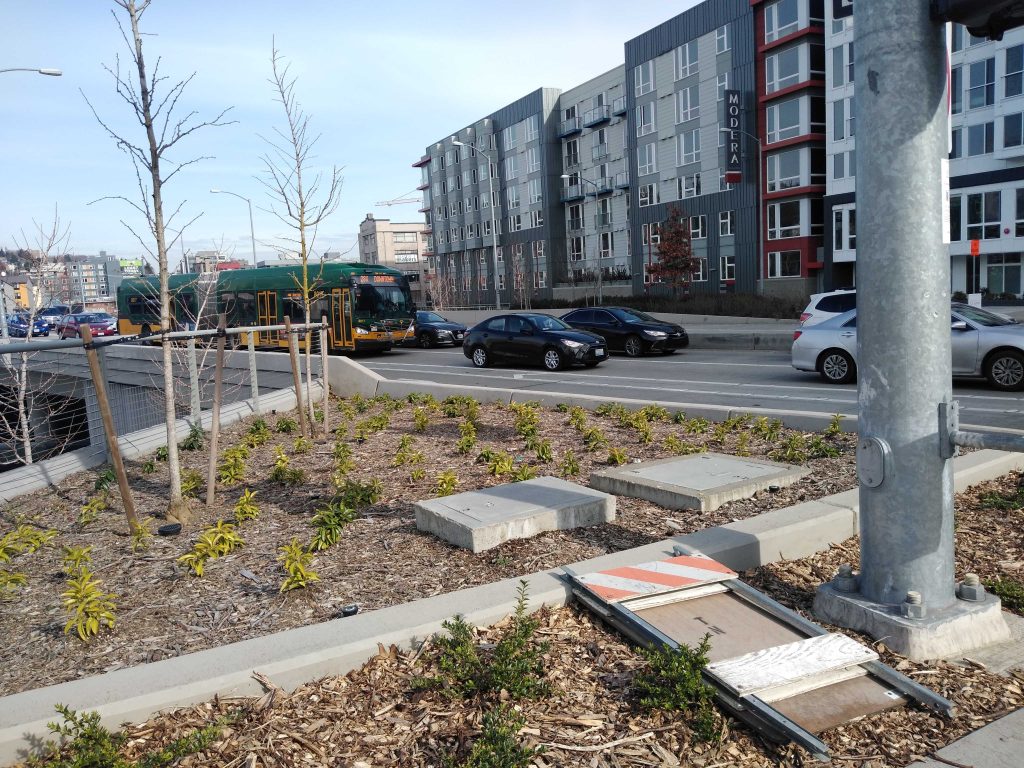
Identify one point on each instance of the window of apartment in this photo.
(533, 159)
(1018, 230)
(980, 139)
(688, 147)
(981, 90)
(501, 281)
(648, 194)
(726, 223)
(842, 65)
(510, 167)
(700, 275)
(723, 85)
(687, 103)
(650, 234)
(956, 90)
(686, 59)
(532, 128)
(782, 69)
(727, 267)
(512, 197)
(784, 264)
(780, 19)
(844, 229)
(817, 114)
(646, 158)
(606, 245)
(467, 178)
(1013, 83)
(722, 185)
(575, 220)
(536, 219)
(784, 170)
(722, 39)
(1003, 271)
(572, 153)
(1012, 130)
(510, 137)
(784, 220)
(515, 222)
(447, 161)
(604, 212)
(645, 119)
(983, 215)
(688, 185)
(643, 78)
(956, 139)
(961, 35)
(487, 228)
(783, 120)
(698, 227)
(956, 217)
(575, 249)
(536, 191)
(843, 118)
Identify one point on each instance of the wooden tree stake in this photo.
(293, 352)
(218, 377)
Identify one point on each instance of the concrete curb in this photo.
(335, 647)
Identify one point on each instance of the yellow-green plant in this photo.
(420, 398)
(446, 483)
(569, 467)
(680, 447)
(697, 425)
(148, 467)
(236, 451)
(524, 472)
(617, 456)
(768, 429)
(191, 483)
(161, 453)
(257, 434)
(302, 445)
(76, 558)
(594, 439)
(91, 509)
(417, 474)
(231, 470)
(720, 432)
(246, 508)
(296, 562)
(282, 473)
(834, 427)
(654, 413)
(357, 493)
(743, 444)
(468, 439)
(500, 463)
(405, 454)
(420, 419)
(679, 417)
(88, 607)
(194, 440)
(216, 541)
(544, 451)
(793, 450)
(577, 418)
(142, 537)
(644, 432)
(820, 448)
(286, 425)
(11, 582)
(343, 462)
(24, 538)
(329, 522)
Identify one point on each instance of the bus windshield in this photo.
(384, 301)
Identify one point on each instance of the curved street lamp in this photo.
(252, 233)
(50, 72)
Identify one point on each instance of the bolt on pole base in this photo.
(953, 630)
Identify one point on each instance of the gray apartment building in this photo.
(399, 245)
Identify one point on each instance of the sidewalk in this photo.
(999, 744)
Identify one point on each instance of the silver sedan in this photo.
(984, 344)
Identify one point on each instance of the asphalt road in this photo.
(739, 379)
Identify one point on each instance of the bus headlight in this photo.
(361, 331)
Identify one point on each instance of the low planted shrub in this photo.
(617, 456)
(90, 511)
(498, 745)
(768, 429)
(500, 463)
(569, 466)
(297, 563)
(680, 447)
(468, 440)
(524, 472)
(674, 681)
(1010, 591)
(286, 425)
(302, 445)
(820, 448)
(446, 483)
(216, 541)
(792, 451)
(357, 493)
(246, 508)
(835, 426)
(283, 473)
(329, 521)
(11, 582)
(191, 483)
(105, 479)
(89, 608)
(195, 439)
(257, 434)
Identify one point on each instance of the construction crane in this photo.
(402, 200)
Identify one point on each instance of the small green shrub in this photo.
(75, 559)
(577, 418)
(302, 445)
(195, 439)
(674, 681)
(360, 403)
(282, 473)
(191, 482)
(231, 470)
(90, 511)
(524, 472)
(417, 474)
(420, 398)
(680, 447)
(329, 522)
(768, 429)
(679, 417)
(793, 450)
(88, 607)
(11, 582)
(446, 483)
(246, 508)
(1005, 502)
(500, 464)
(743, 444)
(655, 413)
(569, 467)
(819, 448)
(142, 537)
(343, 462)
(544, 451)
(468, 440)
(149, 466)
(697, 425)
(420, 419)
(562, 407)
(617, 456)
(356, 493)
(257, 434)
(286, 425)
(161, 453)
(498, 745)
(297, 563)
(835, 426)
(1010, 591)
(105, 479)
(594, 439)
(216, 541)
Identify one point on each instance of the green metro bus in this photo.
(368, 307)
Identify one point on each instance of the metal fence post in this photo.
(193, 382)
(325, 378)
(254, 389)
(218, 378)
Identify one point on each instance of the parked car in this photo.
(17, 326)
(629, 330)
(100, 323)
(984, 344)
(825, 305)
(52, 315)
(532, 338)
(431, 329)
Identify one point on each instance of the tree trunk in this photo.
(23, 410)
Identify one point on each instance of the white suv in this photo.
(826, 305)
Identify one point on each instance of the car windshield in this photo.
(981, 317)
(545, 323)
(430, 317)
(98, 317)
(632, 316)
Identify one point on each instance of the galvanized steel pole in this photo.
(903, 284)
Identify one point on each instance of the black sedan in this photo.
(532, 338)
(629, 330)
(432, 329)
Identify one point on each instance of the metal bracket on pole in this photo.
(874, 461)
(950, 435)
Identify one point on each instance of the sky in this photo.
(379, 82)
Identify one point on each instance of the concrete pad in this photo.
(480, 520)
(1000, 657)
(703, 481)
(998, 745)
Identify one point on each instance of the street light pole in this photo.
(50, 72)
(252, 232)
(494, 220)
(760, 208)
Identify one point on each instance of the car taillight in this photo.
(797, 335)
(804, 316)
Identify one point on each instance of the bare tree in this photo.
(520, 277)
(154, 106)
(441, 289)
(302, 198)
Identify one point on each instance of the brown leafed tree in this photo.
(676, 262)
(155, 106)
(302, 197)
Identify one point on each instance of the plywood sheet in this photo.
(825, 708)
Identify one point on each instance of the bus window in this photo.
(366, 299)
(319, 309)
(245, 304)
(294, 308)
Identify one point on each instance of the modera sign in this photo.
(733, 167)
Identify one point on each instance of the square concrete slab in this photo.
(480, 520)
(703, 481)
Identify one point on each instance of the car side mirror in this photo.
(958, 325)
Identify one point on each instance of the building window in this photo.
(842, 65)
(722, 39)
(510, 168)
(698, 227)
(844, 229)
(956, 217)
(650, 234)
(981, 91)
(688, 185)
(646, 159)
(572, 153)
(687, 103)
(606, 243)
(686, 60)
(648, 194)
(512, 197)
(688, 147)
(782, 69)
(536, 191)
(723, 85)
(700, 275)
(536, 219)
(784, 220)
(1004, 273)
(643, 78)
(956, 90)
(1019, 219)
(645, 119)
(784, 264)
(509, 137)
(533, 159)
(780, 19)
(727, 267)
(532, 131)
(1013, 85)
(726, 223)
(983, 215)
(515, 223)
(1012, 130)
(980, 139)
(956, 149)
(784, 170)
(783, 120)
(575, 249)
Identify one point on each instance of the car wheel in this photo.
(634, 347)
(425, 340)
(553, 359)
(1005, 370)
(480, 358)
(837, 367)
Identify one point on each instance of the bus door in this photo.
(341, 317)
(266, 314)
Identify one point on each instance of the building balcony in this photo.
(572, 192)
(597, 115)
(575, 225)
(603, 185)
(570, 161)
(424, 209)
(600, 152)
(603, 221)
(421, 162)
(423, 186)
(622, 180)
(569, 127)
(427, 230)
(619, 106)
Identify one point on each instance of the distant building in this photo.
(401, 246)
(72, 279)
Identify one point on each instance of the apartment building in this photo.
(986, 175)
(80, 279)
(400, 245)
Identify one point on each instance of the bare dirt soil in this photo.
(372, 716)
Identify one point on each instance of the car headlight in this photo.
(361, 331)
(656, 334)
(572, 344)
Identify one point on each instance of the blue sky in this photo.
(377, 78)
